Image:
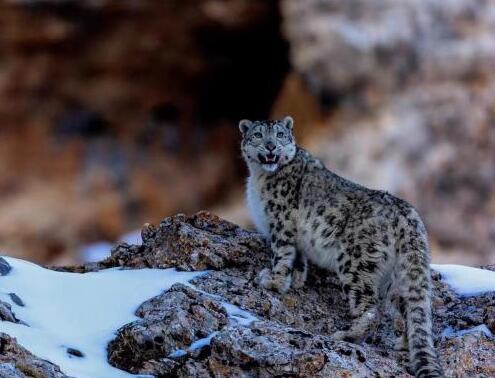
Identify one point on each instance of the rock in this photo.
(460, 313)
(471, 355)
(267, 349)
(10, 371)
(15, 298)
(6, 313)
(75, 352)
(17, 362)
(5, 267)
(200, 242)
(171, 321)
(293, 334)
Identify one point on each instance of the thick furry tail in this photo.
(415, 297)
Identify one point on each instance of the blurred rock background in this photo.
(118, 112)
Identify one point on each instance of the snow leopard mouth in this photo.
(268, 158)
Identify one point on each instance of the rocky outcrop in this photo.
(269, 349)
(171, 321)
(17, 362)
(224, 325)
(188, 243)
(292, 333)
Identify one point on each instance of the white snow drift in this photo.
(465, 280)
(80, 311)
(83, 311)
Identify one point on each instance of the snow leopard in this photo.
(375, 243)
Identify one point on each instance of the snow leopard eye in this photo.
(280, 134)
(257, 135)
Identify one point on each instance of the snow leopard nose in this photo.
(270, 146)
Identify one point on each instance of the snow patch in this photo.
(450, 332)
(79, 311)
(101, 250)
(236, 316)
(465, 280)
(96, 251)
(133, 237)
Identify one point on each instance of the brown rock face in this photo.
(117, 112)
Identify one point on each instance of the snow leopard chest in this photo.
(256, 207)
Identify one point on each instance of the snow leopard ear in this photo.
(245, 125)
(289, 123)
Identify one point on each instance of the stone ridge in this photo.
(293, 334)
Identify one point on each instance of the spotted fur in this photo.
(375, 242)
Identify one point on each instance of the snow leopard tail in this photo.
(415, 296)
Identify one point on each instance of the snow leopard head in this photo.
(268, 144)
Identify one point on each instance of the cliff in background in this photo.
(409, 91)
(114, 113)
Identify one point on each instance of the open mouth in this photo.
(268, 158)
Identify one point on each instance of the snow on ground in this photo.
(465, 280)
(236, 316)
(450, 332)
(79, 311)
(96, 251)
(83, 311)
(101, 250)
(133, 237)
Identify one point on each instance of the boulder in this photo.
(171, 321)
(6, 313)
(268, 349)
(200, 242)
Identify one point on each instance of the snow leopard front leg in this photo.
(300, 272)
(283, 246)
